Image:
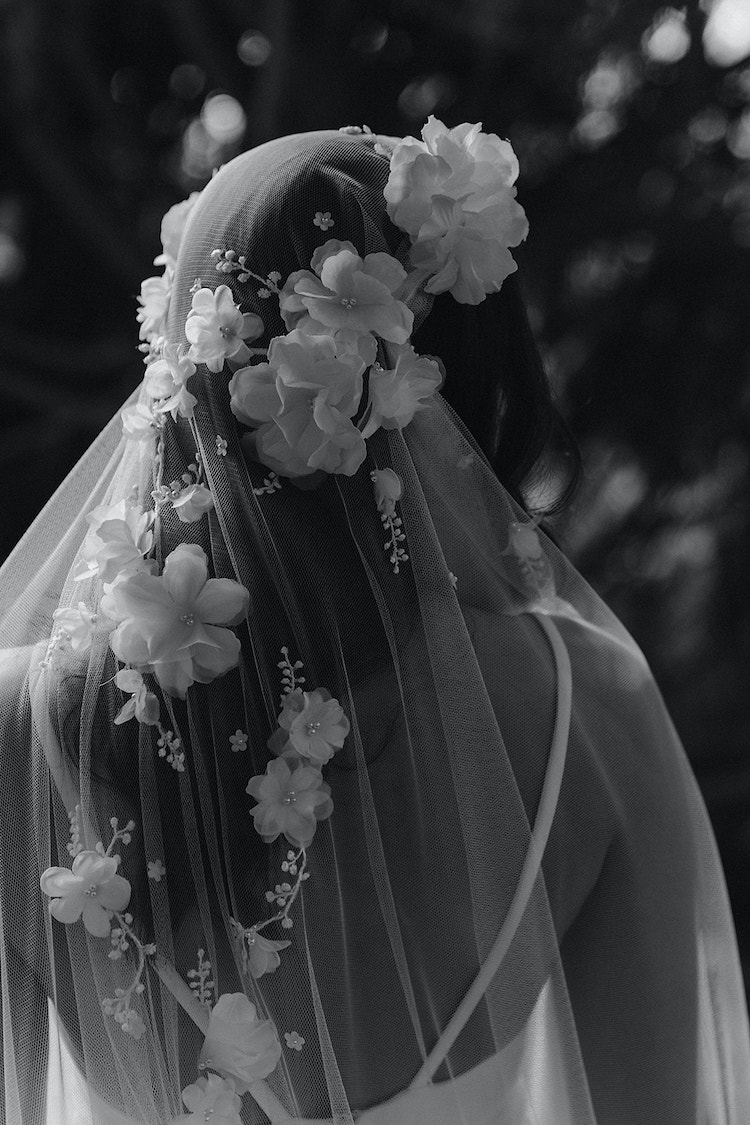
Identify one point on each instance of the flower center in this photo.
(348, 302)
(188, 618)
(312, 728)
(290, 799)
(92, 891)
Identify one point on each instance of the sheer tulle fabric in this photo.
(619, 999)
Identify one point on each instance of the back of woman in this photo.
(333, 792)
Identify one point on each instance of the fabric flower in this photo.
(304, 397)
(348, 292)
(132, 1023)
(165, 375)
(323, 220)
(118, 538)
(154, 305)
(239, 1045)
(92, 889)
(261, 954)
(238, 741)
(142, 705)
(139, 422)
(315, 723)
(216, 329)
(453, 193)
(192, 502)
(76, 625)
(173, 227)
(388, 488)
(300, 368)
(294, 1040)
(290, 801)
(169, 623)
(156, 870)
(397, 395)
(342, 450)
(213, 1099)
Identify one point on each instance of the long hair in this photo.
(496, 383)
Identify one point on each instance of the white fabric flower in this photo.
(118, 538)
(238, 741)
(139, 423)
(154, 305)
(315, 725)
(92, 889)
(166, 379)
(397, 395)
(239, 1045)
(340, 449)
(192, 502)
(210, 1098)
(453, 193)
(173, 227)
(170, 623)
(76, 625)
(172, 370)
(217, 330)
(156, 870)
(142, 705)
(388, 488)
(304, 397)
(261, 954)
(348, 293)
(299, 370)
(291, 801)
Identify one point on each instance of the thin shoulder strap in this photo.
(532, 863)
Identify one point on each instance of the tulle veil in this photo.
(503, 732)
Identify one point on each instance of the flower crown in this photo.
(306, 409)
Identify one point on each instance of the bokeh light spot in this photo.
(424, 95)
(126, 85)
(738, 136)
(187, 81)
(667, 40)
(369, 38)
(254, 48)
(726, 36)
(223, 118)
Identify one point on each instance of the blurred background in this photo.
(631, 121)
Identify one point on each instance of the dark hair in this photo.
(496, 383)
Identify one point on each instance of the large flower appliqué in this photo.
(154, 305)
(216, 329)
(303, 399)
(453, 193)
(311, 724)
(171, 623)
(290, 801)
(239, 1045)
(173, 227)
(397, 395)
(119, 537)
(348, 293)
(92, 889)
(211, 1098)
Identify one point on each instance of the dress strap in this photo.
(532, 863)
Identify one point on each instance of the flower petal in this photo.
(222, 601)
(185, 573)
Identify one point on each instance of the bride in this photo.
(331, 792)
